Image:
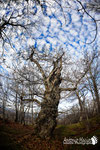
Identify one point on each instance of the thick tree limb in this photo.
(56, 67)
(39, 66)
(37, 63)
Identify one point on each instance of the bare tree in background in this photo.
(93, 77)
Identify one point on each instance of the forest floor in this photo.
(14, 136)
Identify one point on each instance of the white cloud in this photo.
(30, 42)
(73, 32)
(75, 17)
(52, 40)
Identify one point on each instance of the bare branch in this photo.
(67, 89)
(32, 100)
(92, 19)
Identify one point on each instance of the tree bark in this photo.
(46, 120)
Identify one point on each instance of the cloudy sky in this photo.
(53, 27)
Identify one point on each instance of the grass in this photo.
(18, 137)
(78, 130)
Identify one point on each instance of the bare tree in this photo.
(93, 77)
(46, 120)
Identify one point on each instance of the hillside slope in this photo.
(18, 137)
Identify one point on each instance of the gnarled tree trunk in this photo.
(46, 120)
